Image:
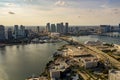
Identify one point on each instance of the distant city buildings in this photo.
(62, 28)
(26, 33)
(82, 30)
(2, 33)
(66, 28)
(109, 28)
(105, 28)
(22, 31)
(10, 34)
(48, 27)
(16, 31)
(119, 27)
(38, 29)
(53, 28)
(98, 30)
(19, 32)
(59, 28)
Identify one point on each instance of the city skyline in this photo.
(76, 12)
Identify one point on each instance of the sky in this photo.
(76, 12)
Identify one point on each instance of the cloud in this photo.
(28, 0)
(60, 3)
(116, 11)
(11, 12)
(79, 16)
(73, 11)
(104, 6)
(10, 5)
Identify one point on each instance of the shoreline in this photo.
(61, 58)
(45, 72)
(57, 60)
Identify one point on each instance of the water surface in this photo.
(18, 62)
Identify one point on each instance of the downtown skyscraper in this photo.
(59, 28)
(2, 33)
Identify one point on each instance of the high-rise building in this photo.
(2, 33)
(19, 32)
(62, 28)
(38, 29)
(119, 27)
(48, 27)
(16, 31)
(66, 28)
(53, 28)
(105, 28)
(22, 31)
(58, 27)
(26, 33)
(10, 34)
